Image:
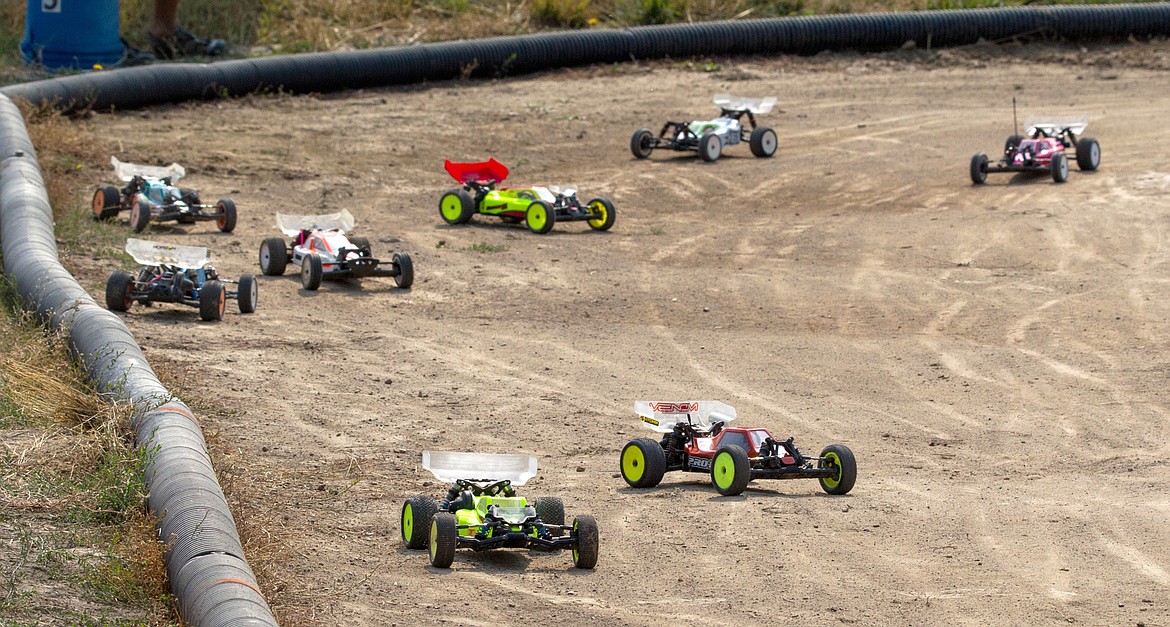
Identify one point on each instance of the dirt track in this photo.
(996, 356)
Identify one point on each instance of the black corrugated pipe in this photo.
(205, 560)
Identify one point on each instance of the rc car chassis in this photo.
(1045, 148)
(482, 512)
(696, 438)
(151, 195)
(538, 207)
(320, 246)
(710, 137)
(177, 274)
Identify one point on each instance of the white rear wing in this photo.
(127, 171)
(661, 416)
(739, 103)
(1053, 125)
(293, 225)
(450, 467)
(150, 253)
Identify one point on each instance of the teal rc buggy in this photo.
(482, 512)
(539, 208)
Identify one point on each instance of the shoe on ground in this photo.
(184, 43)
(132, 56)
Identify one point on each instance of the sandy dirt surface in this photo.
(995, 356)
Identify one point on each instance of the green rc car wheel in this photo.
(551, 511)
(643, 463)
(586, 542)
(456, 207)
(606, 214)
(731, 470)
(444, 537)
(839, 457)
(107, 203)
(212, 301)
(417, 514)
(540, 217)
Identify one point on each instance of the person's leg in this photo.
(166, 18)
(171, 41)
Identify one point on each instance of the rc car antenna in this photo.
(1015, 121)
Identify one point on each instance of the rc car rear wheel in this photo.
(642, 143)
(456, 207)
(979, 169)
(444, 537)
(731, 470)
(273, 256)
(106, 203)
(1059, 167)
(120, 291)
(606, 214)
(643, 463)
(1088, 154)
(763, 142)
(227, 219)
(312, 271)
(1012, 142)
(140, 215)
(363, 246)
(710, 147)
(551, 511)
(247, 293)
(587, 540)
(212, 301)
(417, 514)
(839, 457)
(405, 277)
(540, 217)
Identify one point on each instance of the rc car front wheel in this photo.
(273, 256)
(212, 301)
(456, 207)
(540, 217)
(247, 293)
(763, 142)
(1088, 154)
(226, 209)
(106, 203)
(840, 458)
(642, 143)
(605, 214)
(417, 514)
(444, 537)
(1059, 167)
(979, 169)
(120, 291)
(731, 470)
(312, 271)
(643, 463)
(405, 277)
(551, 511)
(587, 540)
(710, 147)
(140, 215)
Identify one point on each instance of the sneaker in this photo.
(184, 43)
(133, 56)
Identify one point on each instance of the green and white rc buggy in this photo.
(482, 512)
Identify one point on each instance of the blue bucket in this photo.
(75, 34)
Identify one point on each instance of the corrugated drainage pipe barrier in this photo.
(206, 564)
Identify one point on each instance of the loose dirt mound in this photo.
(995, 356)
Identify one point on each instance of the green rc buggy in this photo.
(482, 512)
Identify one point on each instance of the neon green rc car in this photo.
(482, 512)
(538, 207)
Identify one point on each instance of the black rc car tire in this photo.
(415, 531)
(212, 301)
(979, 169)
(247, 293)
(273, 256)
(119, 291)
(405, 277)
(848, 473)
(107, 202)
(140, 216)
(444, 538)
(586, 538)
(363, 246)
(531, 219)
(1088, 154)
(641, 144)
(1059, 167)
(312, 271)
(710, 147)
(763, 142)
(647, 454)
(551, 511)
(227, 221)
(466, 206)
(606, 223)
(740, 469)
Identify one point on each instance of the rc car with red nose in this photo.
(321, 247)
(177, 274)
(697, 436)
(538, 207)
(482, 512)
(151, 194)
(710, 137)
(1046, 147)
